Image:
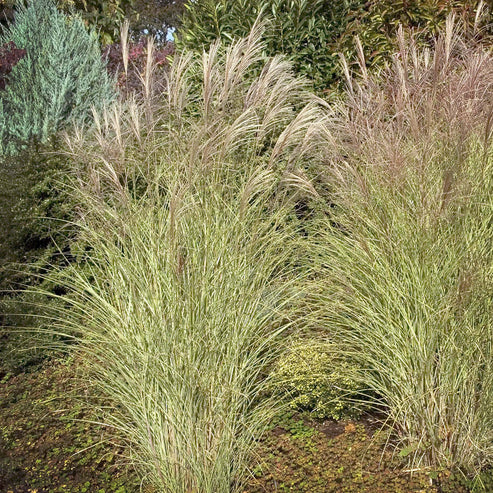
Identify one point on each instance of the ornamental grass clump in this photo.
(189, 249)
(407, 246)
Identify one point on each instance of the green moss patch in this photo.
(46, 442)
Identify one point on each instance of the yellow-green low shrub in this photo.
(314, 377)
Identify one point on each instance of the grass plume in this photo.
(405, 247)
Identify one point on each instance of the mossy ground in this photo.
(47, 444)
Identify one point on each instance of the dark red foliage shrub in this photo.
(9, 57)
(137, 59)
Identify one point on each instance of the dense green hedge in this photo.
(307, 31)
(379, 20)
(313, 33)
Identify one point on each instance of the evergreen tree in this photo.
(60, 78)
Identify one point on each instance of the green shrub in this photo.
(105, 17)
(57, 82)
(155, 17)
(36, 214)
(34, 209)
(379, 20)
(307, 31)
(314, 32)
(315, 377)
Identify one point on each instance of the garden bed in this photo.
(48, 445)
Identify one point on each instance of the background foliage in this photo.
(155, 17)
(378, 22)
(129, 76)
(32, 209)
(312, 33)
(54, 84)
(307, 31)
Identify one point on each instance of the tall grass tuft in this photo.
(406, 246)
(189, 247)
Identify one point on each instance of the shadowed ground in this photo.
(46, 446)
